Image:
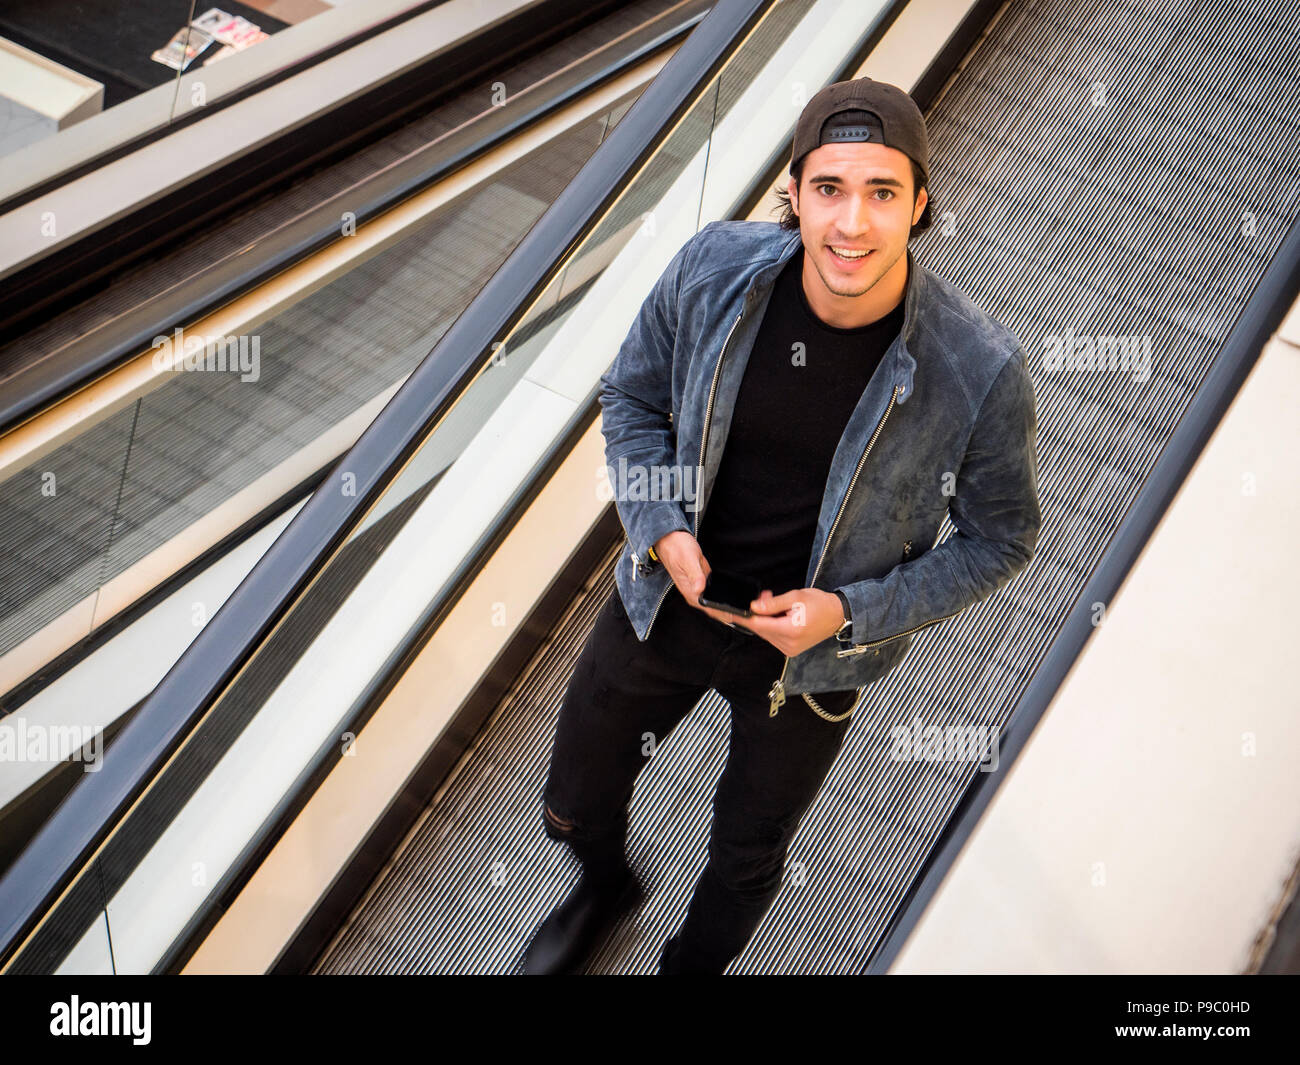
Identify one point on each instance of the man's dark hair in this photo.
(790, 220)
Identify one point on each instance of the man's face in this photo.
(857, 197)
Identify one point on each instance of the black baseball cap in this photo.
(863, 110)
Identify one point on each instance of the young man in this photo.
(831, 401)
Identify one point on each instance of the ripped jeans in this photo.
(623, 700)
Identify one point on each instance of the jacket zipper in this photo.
(858, 648)
(704, 443)
(776, 695)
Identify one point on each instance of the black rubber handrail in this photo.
(69, 839)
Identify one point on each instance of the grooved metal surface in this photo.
(1111, 168)
(86, 512)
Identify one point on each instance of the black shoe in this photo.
(673, 966)
(565, 941)
(669, 943)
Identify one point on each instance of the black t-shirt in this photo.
(761, 517)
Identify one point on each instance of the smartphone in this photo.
(730, 592)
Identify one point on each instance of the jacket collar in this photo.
(904, 365)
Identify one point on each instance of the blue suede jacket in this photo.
(946, 425)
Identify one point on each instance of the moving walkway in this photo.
(342, 772)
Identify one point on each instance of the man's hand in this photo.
(791, 622)
(796, 620)
(680, 553)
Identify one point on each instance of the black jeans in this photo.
(625, 697)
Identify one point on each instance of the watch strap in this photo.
(842, 633)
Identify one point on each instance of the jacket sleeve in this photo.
(996, 514)
(635, 396)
